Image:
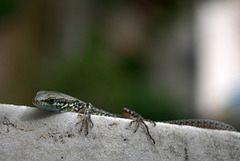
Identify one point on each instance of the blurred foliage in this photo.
(109, 81)
(95, 73)
(135, 54)
(8, 7)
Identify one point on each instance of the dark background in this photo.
(137, 54)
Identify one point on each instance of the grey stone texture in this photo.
(28, 133)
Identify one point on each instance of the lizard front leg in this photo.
(86, 118)
(139, 120)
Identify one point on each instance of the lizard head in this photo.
(53, 101)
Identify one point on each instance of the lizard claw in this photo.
(84, 122)
(126, 113)
(141, 121)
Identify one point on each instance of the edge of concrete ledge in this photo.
(28, 133)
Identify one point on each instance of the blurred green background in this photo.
(135, 54)
(113, 54)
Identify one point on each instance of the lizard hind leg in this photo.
(139, 121)
(126, 113)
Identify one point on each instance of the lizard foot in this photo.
(85, 120)
(139, 121)
(126, 113)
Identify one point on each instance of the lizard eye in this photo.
(51, 100)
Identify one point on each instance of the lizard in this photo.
(60, 102)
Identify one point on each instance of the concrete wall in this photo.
(28, 133)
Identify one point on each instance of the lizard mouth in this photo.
(35, 102)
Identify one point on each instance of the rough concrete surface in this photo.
(28, 133)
